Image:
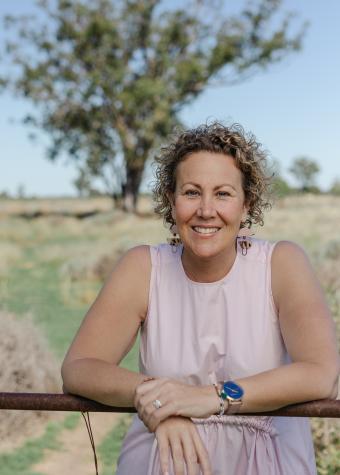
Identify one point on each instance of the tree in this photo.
(280, 186)
(109, 78)
(335, 187)
(305, 170)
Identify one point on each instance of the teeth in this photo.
(205, 230)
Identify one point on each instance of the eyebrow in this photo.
(215, 188)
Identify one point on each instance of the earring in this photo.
(174, 240)
(244, 239)
(244, 243)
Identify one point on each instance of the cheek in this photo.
(184, 209)
(231, 211)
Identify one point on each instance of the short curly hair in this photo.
(250, 158)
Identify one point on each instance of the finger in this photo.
(146, 409)
(154, 416)
(164, 452)
(202, 453)
(177, 456)
(144, 397)
(147, 386)
(190, 454)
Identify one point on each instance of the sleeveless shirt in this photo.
(201, 333)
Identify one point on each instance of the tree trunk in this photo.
(131, 188)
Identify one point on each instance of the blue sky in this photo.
(293, 109)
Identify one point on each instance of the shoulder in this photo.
(287, 254)
(138, 256)
(132, 271)
(131, 277)
(291, 270)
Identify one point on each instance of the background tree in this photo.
(280, 186)
(109, 78)
(335, 187)
(305, 170)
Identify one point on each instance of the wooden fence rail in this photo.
(67, 402)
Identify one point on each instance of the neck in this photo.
(209, 269)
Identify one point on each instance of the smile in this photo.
(205, 230)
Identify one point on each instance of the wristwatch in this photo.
(233, 392)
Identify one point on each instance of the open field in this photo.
(54, 256)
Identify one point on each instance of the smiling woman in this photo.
(208, 210)
(228, 325)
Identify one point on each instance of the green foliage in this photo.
(305, 170)
(335, 188)
(109, 448)
(33, 284)
(109, 78)
(281, 187)
(21, 459)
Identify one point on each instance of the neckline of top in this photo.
(220, 281)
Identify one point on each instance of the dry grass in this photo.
(27, 365)
(307, 219)
(84, 250)
(58, 205)
(9, 254)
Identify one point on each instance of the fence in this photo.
(67, 402)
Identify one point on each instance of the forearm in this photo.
(288, 384)
(101, 381)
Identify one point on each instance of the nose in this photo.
(206, 209)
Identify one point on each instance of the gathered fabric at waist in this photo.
(262, 423)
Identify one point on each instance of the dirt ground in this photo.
(75, 455)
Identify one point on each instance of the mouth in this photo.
(206, 231)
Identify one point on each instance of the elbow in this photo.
(326, 380)
(65, 391)
(67, 378)
(333, 386)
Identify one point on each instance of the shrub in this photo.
(26, 366)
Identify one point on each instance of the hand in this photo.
(179, 436)
(177, 399)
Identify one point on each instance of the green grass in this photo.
(20, 460)
(109, 448)
(35, 287)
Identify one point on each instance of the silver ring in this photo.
(157, 403)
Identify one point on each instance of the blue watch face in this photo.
(233, 390)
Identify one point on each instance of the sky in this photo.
(293, 108)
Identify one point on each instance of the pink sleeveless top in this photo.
(206, 332)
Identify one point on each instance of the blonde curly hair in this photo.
(231, 140)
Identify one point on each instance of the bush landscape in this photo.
(54, 256)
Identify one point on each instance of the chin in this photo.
(205, 251)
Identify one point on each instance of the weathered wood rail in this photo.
(67, 402)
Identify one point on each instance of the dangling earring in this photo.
(244, 239)
(245, 244)
(174, 240)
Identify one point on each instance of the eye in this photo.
(192, 193)
(223, 194)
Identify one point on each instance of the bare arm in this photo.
(108, 332)
(309, 334)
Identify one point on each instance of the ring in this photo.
(157, 403)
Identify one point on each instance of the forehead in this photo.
(208, 167)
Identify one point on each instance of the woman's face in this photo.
(208, 203)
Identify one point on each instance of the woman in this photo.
(228, 324)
